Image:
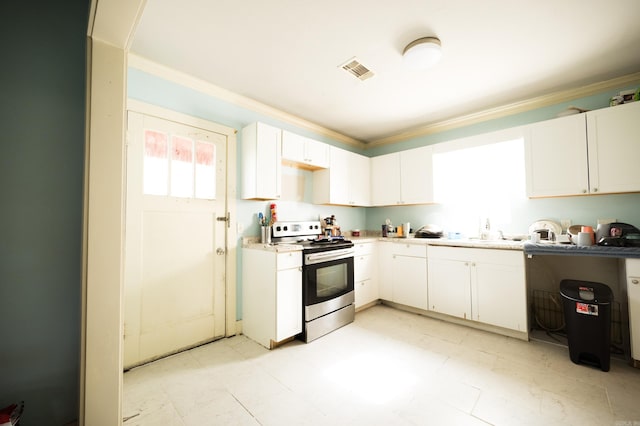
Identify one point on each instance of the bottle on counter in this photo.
(274, 213)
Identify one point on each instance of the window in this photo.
(178, 166)
(483, 181)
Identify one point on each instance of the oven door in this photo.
(327, 275)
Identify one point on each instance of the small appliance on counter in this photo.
(429, 231)
(618, 234)
(330, 227)
(547, 230)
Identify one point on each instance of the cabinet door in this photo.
(365, 292)
(450, 287)
(261, 162)
(416, 176)
(410, 281)
(339, 177)
(362, 266)
(317, 153)
(499, 294)
(385, 271)
(614, 149)
(556, 157)
(288, 303)
(633, 293)
(345, 182)
(385, 180)
(293, 147)
(304, 151)
(359, 179)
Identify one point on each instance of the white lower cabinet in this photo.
(271, 295)
(484, 285)
(364, 266)
(450, 287)
(633, 294)
(403, 273)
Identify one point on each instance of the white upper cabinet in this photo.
(261, 162)
(345, 182)
(304, 152)
(589, 153)
(385, 180)
(613, 136)
(404, 177)
(556, 157)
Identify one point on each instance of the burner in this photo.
(330, 240)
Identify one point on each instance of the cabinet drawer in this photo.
(414, 250)
(362, 266)
(363, 248)
(288, 260)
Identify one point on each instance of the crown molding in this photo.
(170, 74)
(509, 109)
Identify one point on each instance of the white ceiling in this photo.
(286, 53)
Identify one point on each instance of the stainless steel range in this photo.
(327, 276)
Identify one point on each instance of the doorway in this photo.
(176, 233)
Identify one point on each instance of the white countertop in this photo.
(254, 243)
(473, 243)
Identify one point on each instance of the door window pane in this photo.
(205, 170)
(156, 166)
(181, 167)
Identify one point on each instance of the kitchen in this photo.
(298, 185)
(578, 209)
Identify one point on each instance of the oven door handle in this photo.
(327, 256)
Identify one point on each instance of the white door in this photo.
(175, 240)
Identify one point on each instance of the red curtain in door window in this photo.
(205, 153)
(182, 150)
(155, 144)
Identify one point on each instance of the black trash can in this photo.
(587, 315)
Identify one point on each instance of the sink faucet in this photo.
(486, 232)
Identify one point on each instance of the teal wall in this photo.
(581, 210)
(42, 110)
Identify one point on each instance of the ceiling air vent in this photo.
(354, 67)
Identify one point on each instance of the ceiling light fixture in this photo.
(423, 53)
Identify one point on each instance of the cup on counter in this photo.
(265, 234)
(585, 239)
(355, 233)
(589, 230)
(385, 231)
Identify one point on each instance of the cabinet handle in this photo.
(595, 189)
(635, 281)
(584, 191)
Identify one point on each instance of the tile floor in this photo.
(387, 368)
